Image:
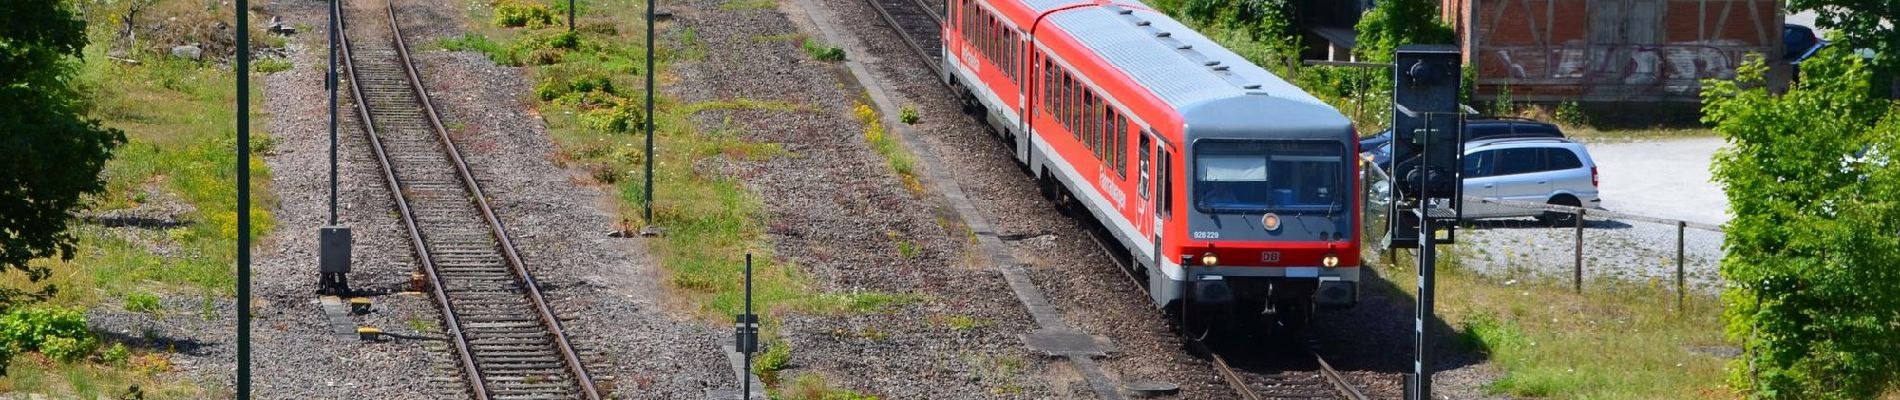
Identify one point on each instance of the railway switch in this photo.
(333, 260)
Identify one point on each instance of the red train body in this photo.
(1224, 183)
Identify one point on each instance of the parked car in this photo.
(1377, 147)
(1536, 170)
(1800, 42)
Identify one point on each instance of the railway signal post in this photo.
(1427, 158)
(333, 241)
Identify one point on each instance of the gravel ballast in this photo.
(602, 287)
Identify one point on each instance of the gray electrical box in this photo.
(333, 250)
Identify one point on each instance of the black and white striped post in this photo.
(746, 335)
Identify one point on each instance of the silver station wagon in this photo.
(1533, 170)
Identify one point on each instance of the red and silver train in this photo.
(1226, 185)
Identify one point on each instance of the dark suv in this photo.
(1378, 147)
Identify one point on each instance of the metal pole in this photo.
(646, 212)
(330, 80)
(1680, 286)
(1578, 271)
(570, 15)
(746, 392)
(243, 68)
(1427, 279)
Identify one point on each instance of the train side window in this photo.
(1096, 128)
(1115, 142)
(1141, 166)
(1099, 127)
(1121, 146)
(1166, 189)
(1068, 105)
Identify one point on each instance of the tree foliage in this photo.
(50, 153)
(1862, 24)
(1395, 23)
(1813, 248)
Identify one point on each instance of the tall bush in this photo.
(1813, 252)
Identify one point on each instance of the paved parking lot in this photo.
(1661, 178)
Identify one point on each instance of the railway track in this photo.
(919, 24)
(1296, 373)
(507, 340)
(1302, 375)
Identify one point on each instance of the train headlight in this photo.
(1330, 261)
(1209, 259)
(1270, 221)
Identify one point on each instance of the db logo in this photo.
(1269, 256)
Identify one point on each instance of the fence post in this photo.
(1578, 271)
(1681, 287)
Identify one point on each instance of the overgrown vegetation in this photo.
(521, 13)
(175, 157)
(822, 52)
(56, 149)
(1618, 340)
(1815, 191)
(893, 151)
(588, 87)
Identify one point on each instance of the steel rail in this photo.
(458, 335)
(911, 40)
(1226, 371)
(520, 269)
(476, 385)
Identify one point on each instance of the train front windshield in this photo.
(1270, 176)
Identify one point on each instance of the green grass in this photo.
(814, 386)
(592, 99)
(271, 65)
(710, 221)
(888, 146)
(964, 322)
(822, 52)
(743, 5)
(1617, 340)
(178, 118)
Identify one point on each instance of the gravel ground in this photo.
(558, 227)
(839, 212)
(1622, 250)
(296, 356)
(606, 289)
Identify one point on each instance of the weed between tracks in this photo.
(1616, 340)
(589, 88)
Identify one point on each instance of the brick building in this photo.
(1610, 50)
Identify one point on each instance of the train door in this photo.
(1164, 196)
(1144, 210)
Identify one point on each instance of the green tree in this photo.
(50, 153)
(1862, 24)
(1398, 22)
(1811, 253)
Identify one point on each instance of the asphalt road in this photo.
(1661, 178)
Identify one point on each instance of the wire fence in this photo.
(1527, 240)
